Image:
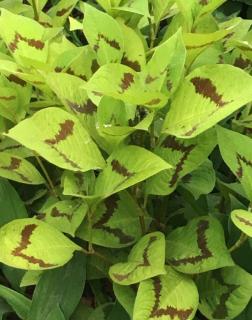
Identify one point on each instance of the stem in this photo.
(152, 33)
(239, 242)
(50, 184)
(35, 10)
(90, 231)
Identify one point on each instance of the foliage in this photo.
(125, 159)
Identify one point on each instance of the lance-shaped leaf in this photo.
(59, 137)
(205, 238)
(236, 151)
(104, 35)
(78, 184)
(243, 221)
(170, 296)
(123, 170)
(205, 98)
(34, 245)
(200, 181)
(23, 37)
(165, 67)
(122, 82)
(66, 215)
(19, 169)
(60, 11)
(184, 155)
(11, 146)
(115, 222)
(146, 260)
(126, 295)
(224, 293)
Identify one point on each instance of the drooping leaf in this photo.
(170, 296)
(34, 245)
(184, 155)
(58, 136)
(224, 293)
(236, 151)
(123, 170)
(146, 260)
(205, 98)
(65, 286)
(243, 221)
(115, 222)
(205, 238)
(19, 169)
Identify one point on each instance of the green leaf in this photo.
(115, 222)
(210, 97)
(224, 293)
(122, 82)
(104, 35)
(34, 245)
(66, 215)
(19, 169)
(236, 151)
(78, 184)
(146, 260)
(58, 136)
(170, 296)
(31, 278)
(65, 286)
(17, 301)
(243, 221)
(11, 206)
(60, 12)
(185, 155)
(123, 170)
(205, 238)
(126, 295)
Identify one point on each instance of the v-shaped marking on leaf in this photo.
(202, 227)
(158, 312)
(14, 165)
(23, 245)
(241, 159)
(13, 46)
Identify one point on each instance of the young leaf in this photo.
(243, 221)
(224, 293)
(236, 151)
(58, 136)
(18, 169)
(65, 286)
(123, 170)
(205, 98)
(205, 238)
(103, 34)
(170, 296)
(34, 245)
(115, 222)
(146, 260)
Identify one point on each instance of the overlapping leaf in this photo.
(184, 155)
(224, 293)
(146, 260)
(170, 296)
(205, 238)
(58, 137)
(205, 98)
(34, 245)
(243, 220)
(236, 151)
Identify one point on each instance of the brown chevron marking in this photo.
(132, 64)
(112, 43)
(16, 146)
(170, 311)
(38, 44)
(120, 169)
(14, 165)
(202, 227)
(149, 79)
(242, 63)
(56, 214)
(23, 245)
(88, 107)
(207, 89)
(72, 163)
(144, 263)
(243, 220)
(127, 80)
(111, 205)
(7, 98)
(171, 143)
(17, 80)
(221, 310)
(66, 130)
(63, 11)
(241, 159)
(153, 102)
(203, 2)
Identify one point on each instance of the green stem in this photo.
(152, 33)
(239, 242)
(35, 10)
(90, 232)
